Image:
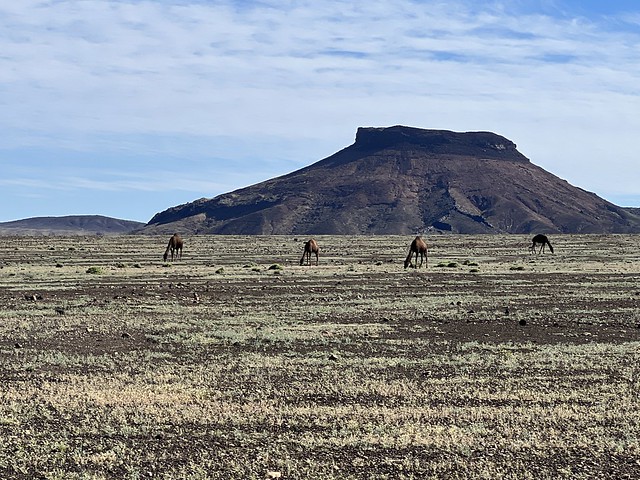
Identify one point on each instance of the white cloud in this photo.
(287, 81)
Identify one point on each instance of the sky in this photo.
(125, 108)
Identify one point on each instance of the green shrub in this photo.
(94, 270)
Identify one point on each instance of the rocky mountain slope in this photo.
(403, 180)
(69, 225)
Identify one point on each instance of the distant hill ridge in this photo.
(405, 180)
(69, 225)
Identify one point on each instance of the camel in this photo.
(419, 247)
(540, 240)
(311, 246)
(175, 246)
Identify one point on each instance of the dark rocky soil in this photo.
(358, 315)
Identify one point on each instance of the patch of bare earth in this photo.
(239, 363)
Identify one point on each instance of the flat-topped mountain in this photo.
(402, 180)
(69, 225)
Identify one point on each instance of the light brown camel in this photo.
(175, 246)
(419, 248)
(541, 240)
(311, 246)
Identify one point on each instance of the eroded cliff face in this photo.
(439, 142)
(403, 180)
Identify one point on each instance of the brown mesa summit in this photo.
(175, 247)
(401, 180)
(311, 246)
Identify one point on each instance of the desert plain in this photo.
(235, 362)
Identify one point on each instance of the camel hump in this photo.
(540, 238)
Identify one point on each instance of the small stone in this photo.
(522, 322)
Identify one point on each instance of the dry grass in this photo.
(220, 367)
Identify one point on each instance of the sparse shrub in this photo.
(447, 265)
(276, 266)
(94, 270)
(220, 270)
(518, 267)
(474, 270)
(255, 269)
(58, 265)
(137, 265)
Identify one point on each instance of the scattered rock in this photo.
(522, 322)
(59, 310)
(274, 474)
(126, 335)
(18, 345)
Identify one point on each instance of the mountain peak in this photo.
(439, 142)
(403, 180)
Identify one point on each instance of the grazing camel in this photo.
(175, 246)
(311, 246)
(541, 240)
(419, 247)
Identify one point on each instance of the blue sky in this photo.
(125, 108)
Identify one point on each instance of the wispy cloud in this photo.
(286, 83)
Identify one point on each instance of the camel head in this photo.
(407, 263)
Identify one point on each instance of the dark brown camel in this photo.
(311, 246)
(175, 247)
(541, 240)
(419, 248)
